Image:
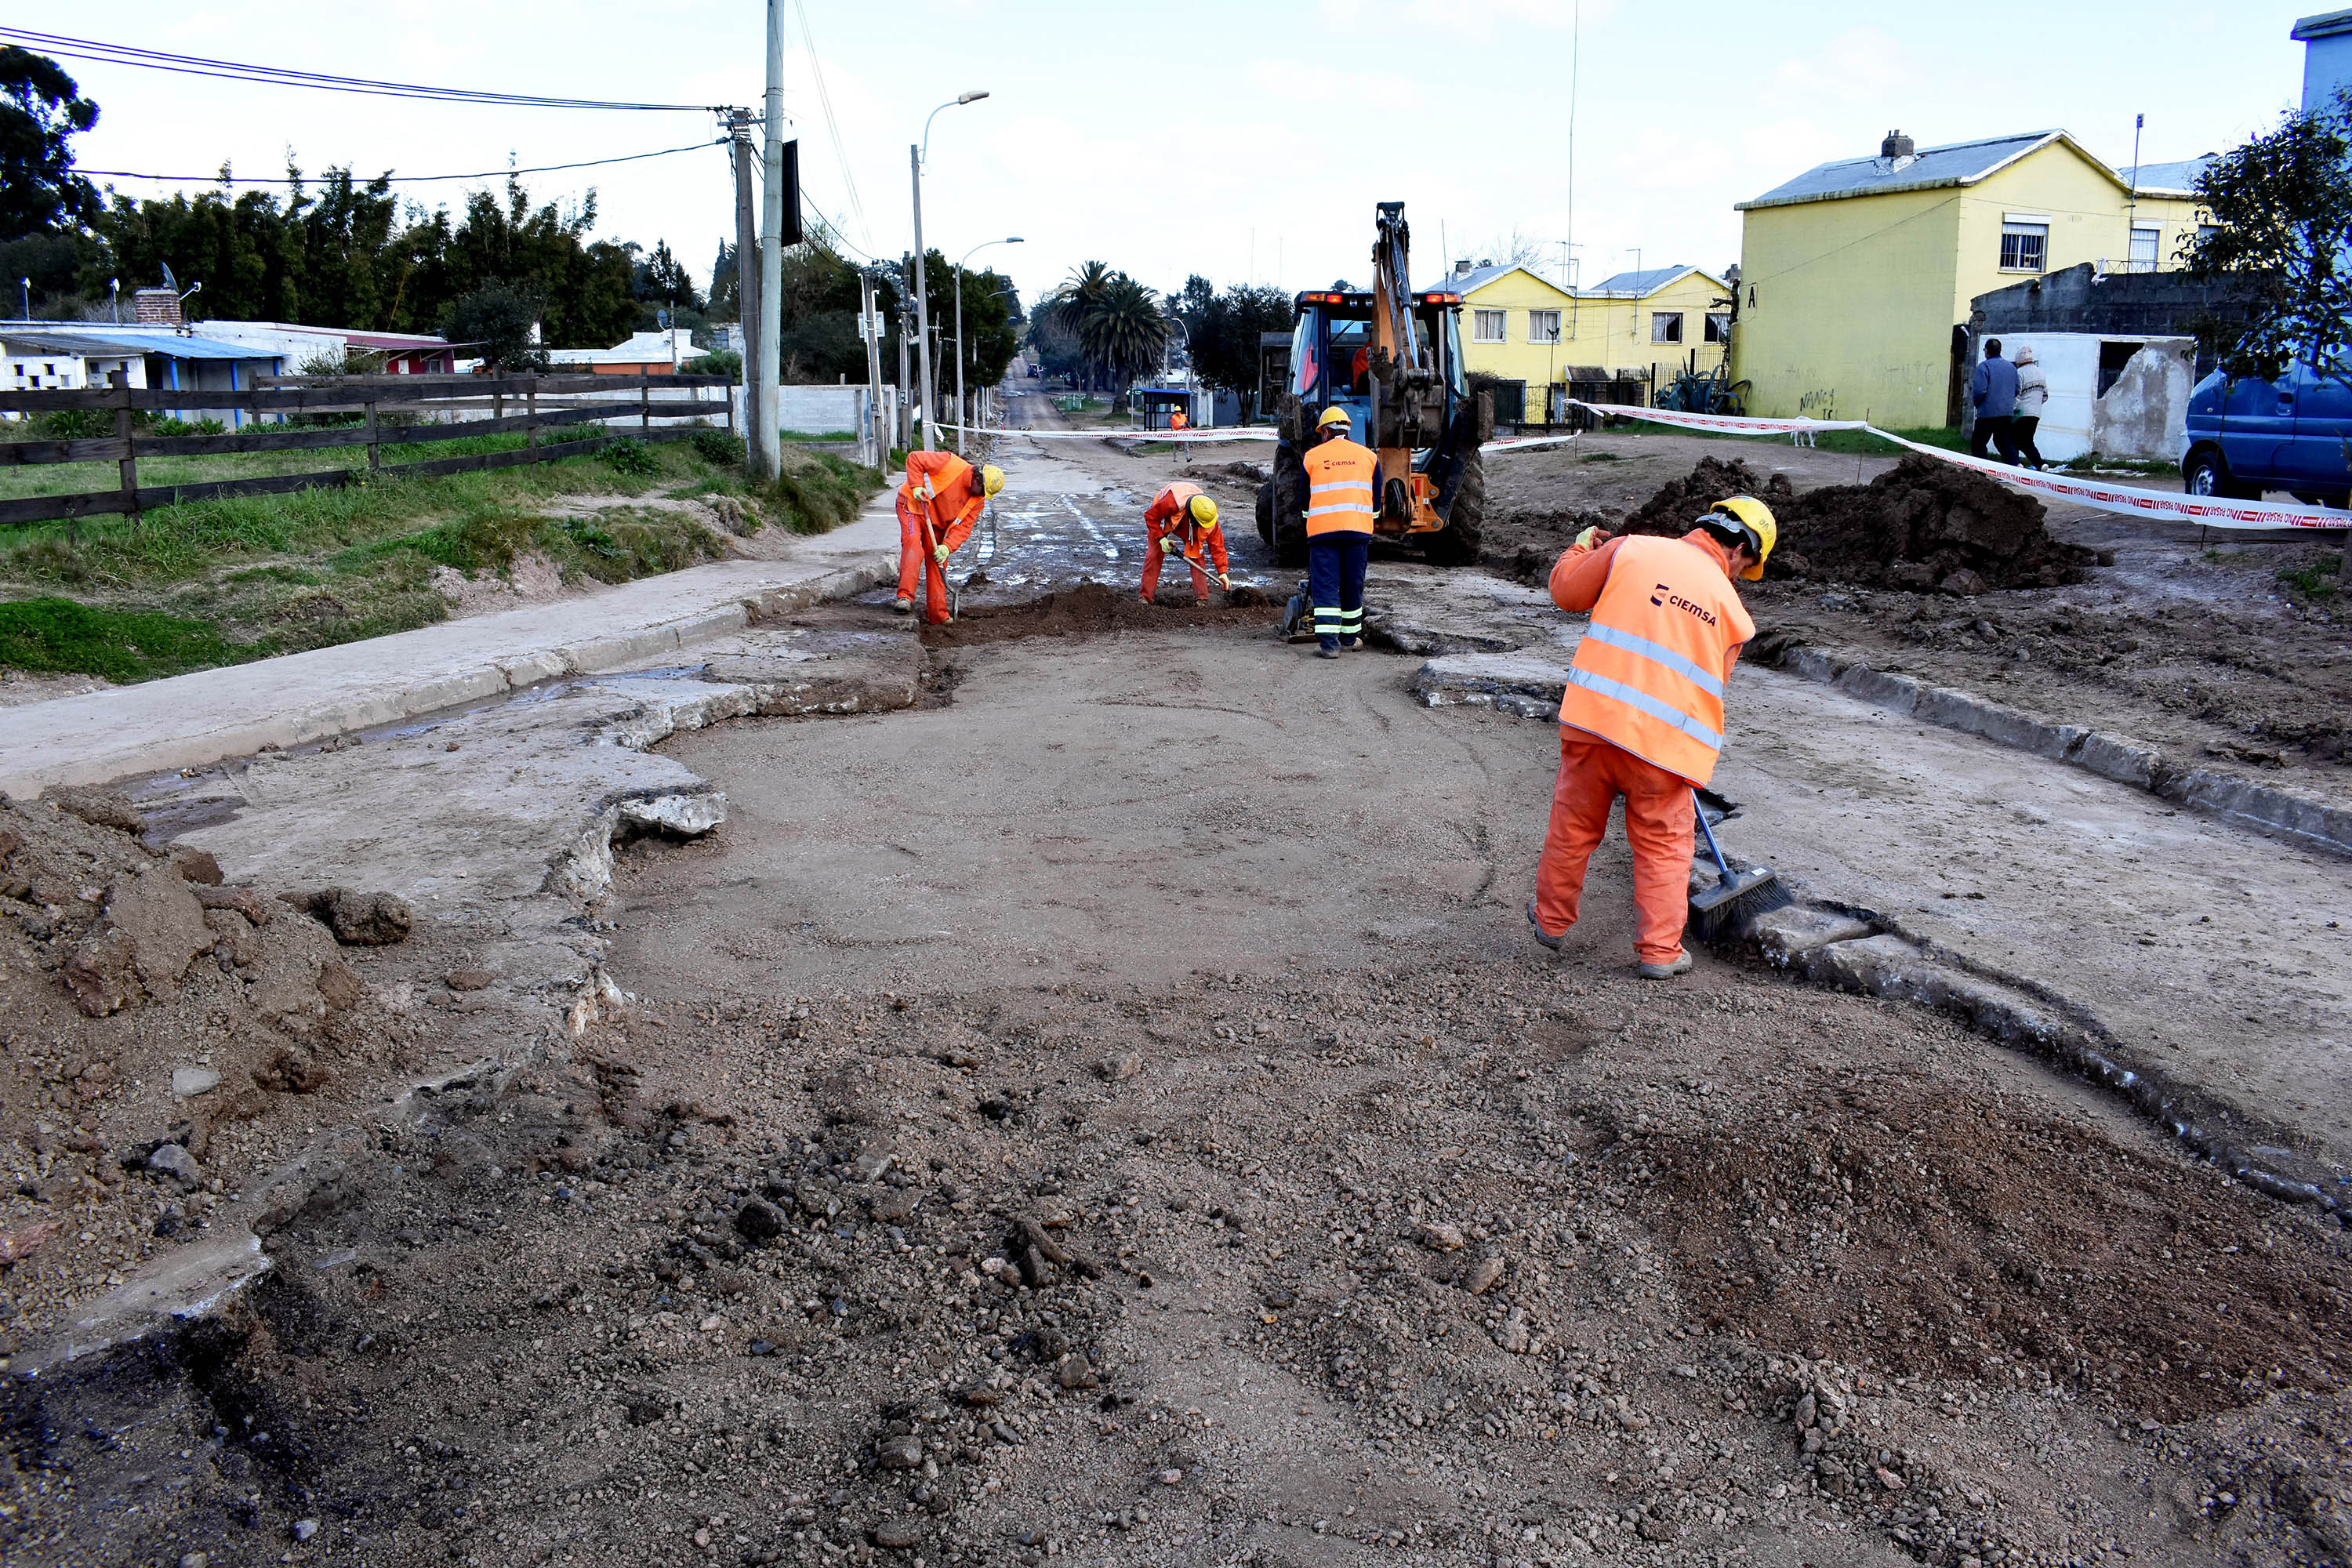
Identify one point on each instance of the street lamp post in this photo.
(963, 413)
(914, 155)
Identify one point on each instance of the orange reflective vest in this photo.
(1339, 480)
(956, 495)
(1649, 674)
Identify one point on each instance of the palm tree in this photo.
(1125, 331)
(1078, 297)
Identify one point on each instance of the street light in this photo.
(963, 413)
(914, 156)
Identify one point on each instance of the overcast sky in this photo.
(1246, 142)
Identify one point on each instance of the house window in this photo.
(1665, 326)
(2145, 238)
(1718, 326)
(1543, 326)
(2024, 247)
(1487, 326)
(2206, 231)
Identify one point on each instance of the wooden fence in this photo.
(542, 402)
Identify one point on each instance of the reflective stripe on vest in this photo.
(1648, 675)
(1340, 476)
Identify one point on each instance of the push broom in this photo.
(1737, 897)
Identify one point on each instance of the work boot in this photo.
(1327, 653)
(902, 605)
(1550, 941)
(1350, 645)
(1679, 965)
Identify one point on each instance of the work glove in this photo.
(1169, 546)
(925, 489)
(940, 554)
(1590, 537)
(1224, 582)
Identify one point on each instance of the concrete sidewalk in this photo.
(189, 721)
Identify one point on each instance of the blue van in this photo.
(2246, 437)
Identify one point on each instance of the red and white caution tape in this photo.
(2126, 500)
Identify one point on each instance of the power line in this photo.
(400, 179)
(832, 126)
(197, 65)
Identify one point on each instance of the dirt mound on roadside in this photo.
(1922, 525)
(1680, 502)
(1091, 609)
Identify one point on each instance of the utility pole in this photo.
(922, 298)
(906, 391)
(747, 271)
(767, 440)
(870, 321)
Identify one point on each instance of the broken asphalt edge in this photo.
(1848, 947)
(97, 762)
(2306, 819)
(177, 1289)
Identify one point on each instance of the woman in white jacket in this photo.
(2032, 397)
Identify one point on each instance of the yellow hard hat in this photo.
(1749, 516)
(1334, 415)
(1203, 511)
(992, 479)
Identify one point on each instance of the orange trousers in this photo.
(1152, 557)
(1593, 775)
(915, 562)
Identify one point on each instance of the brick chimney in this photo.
(1896, 145)
(156, 307)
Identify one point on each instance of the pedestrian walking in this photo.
(938, 504)
(1642, 718)
(1340, 479)
(2032, 397)
(1993, 389)
(1183, 520)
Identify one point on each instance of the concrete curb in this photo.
(2308, 819)
(1851, 950)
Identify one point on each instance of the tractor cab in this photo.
(1331, 351)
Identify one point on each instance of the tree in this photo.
(1225, 342)
(2279, 239)
(498, 319)
(41, 110)
(1124, 333)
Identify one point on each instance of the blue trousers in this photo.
(1335, 581)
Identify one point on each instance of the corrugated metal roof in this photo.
(178, 347)
(2169, 178)
(65, 343)
(1633, 285)
(1479, 277)
(1960, 164)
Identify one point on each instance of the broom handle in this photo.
(1721, 865)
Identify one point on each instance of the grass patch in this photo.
(2313, 579)
(59, 637)
(820, 437)
(243, 577)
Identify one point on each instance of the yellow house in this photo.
(1530, 334)
(1655, 324)
(1854, 275)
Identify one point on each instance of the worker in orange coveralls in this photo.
(1642, 713)
(1184, 522)
(937, 506)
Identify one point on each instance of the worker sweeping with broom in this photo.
(939, 505)
(1643, 714)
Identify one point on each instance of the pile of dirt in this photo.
(157, 1024)
(1921, 525)
(1957, 1237)
(1091, 609)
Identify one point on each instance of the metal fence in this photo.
(483, 405)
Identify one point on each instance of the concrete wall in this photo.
(2143, 415)
(1847, 308)
(2326, 68)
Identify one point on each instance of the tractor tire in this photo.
(1286, 530)
(1456, 544)
(1265, 513)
